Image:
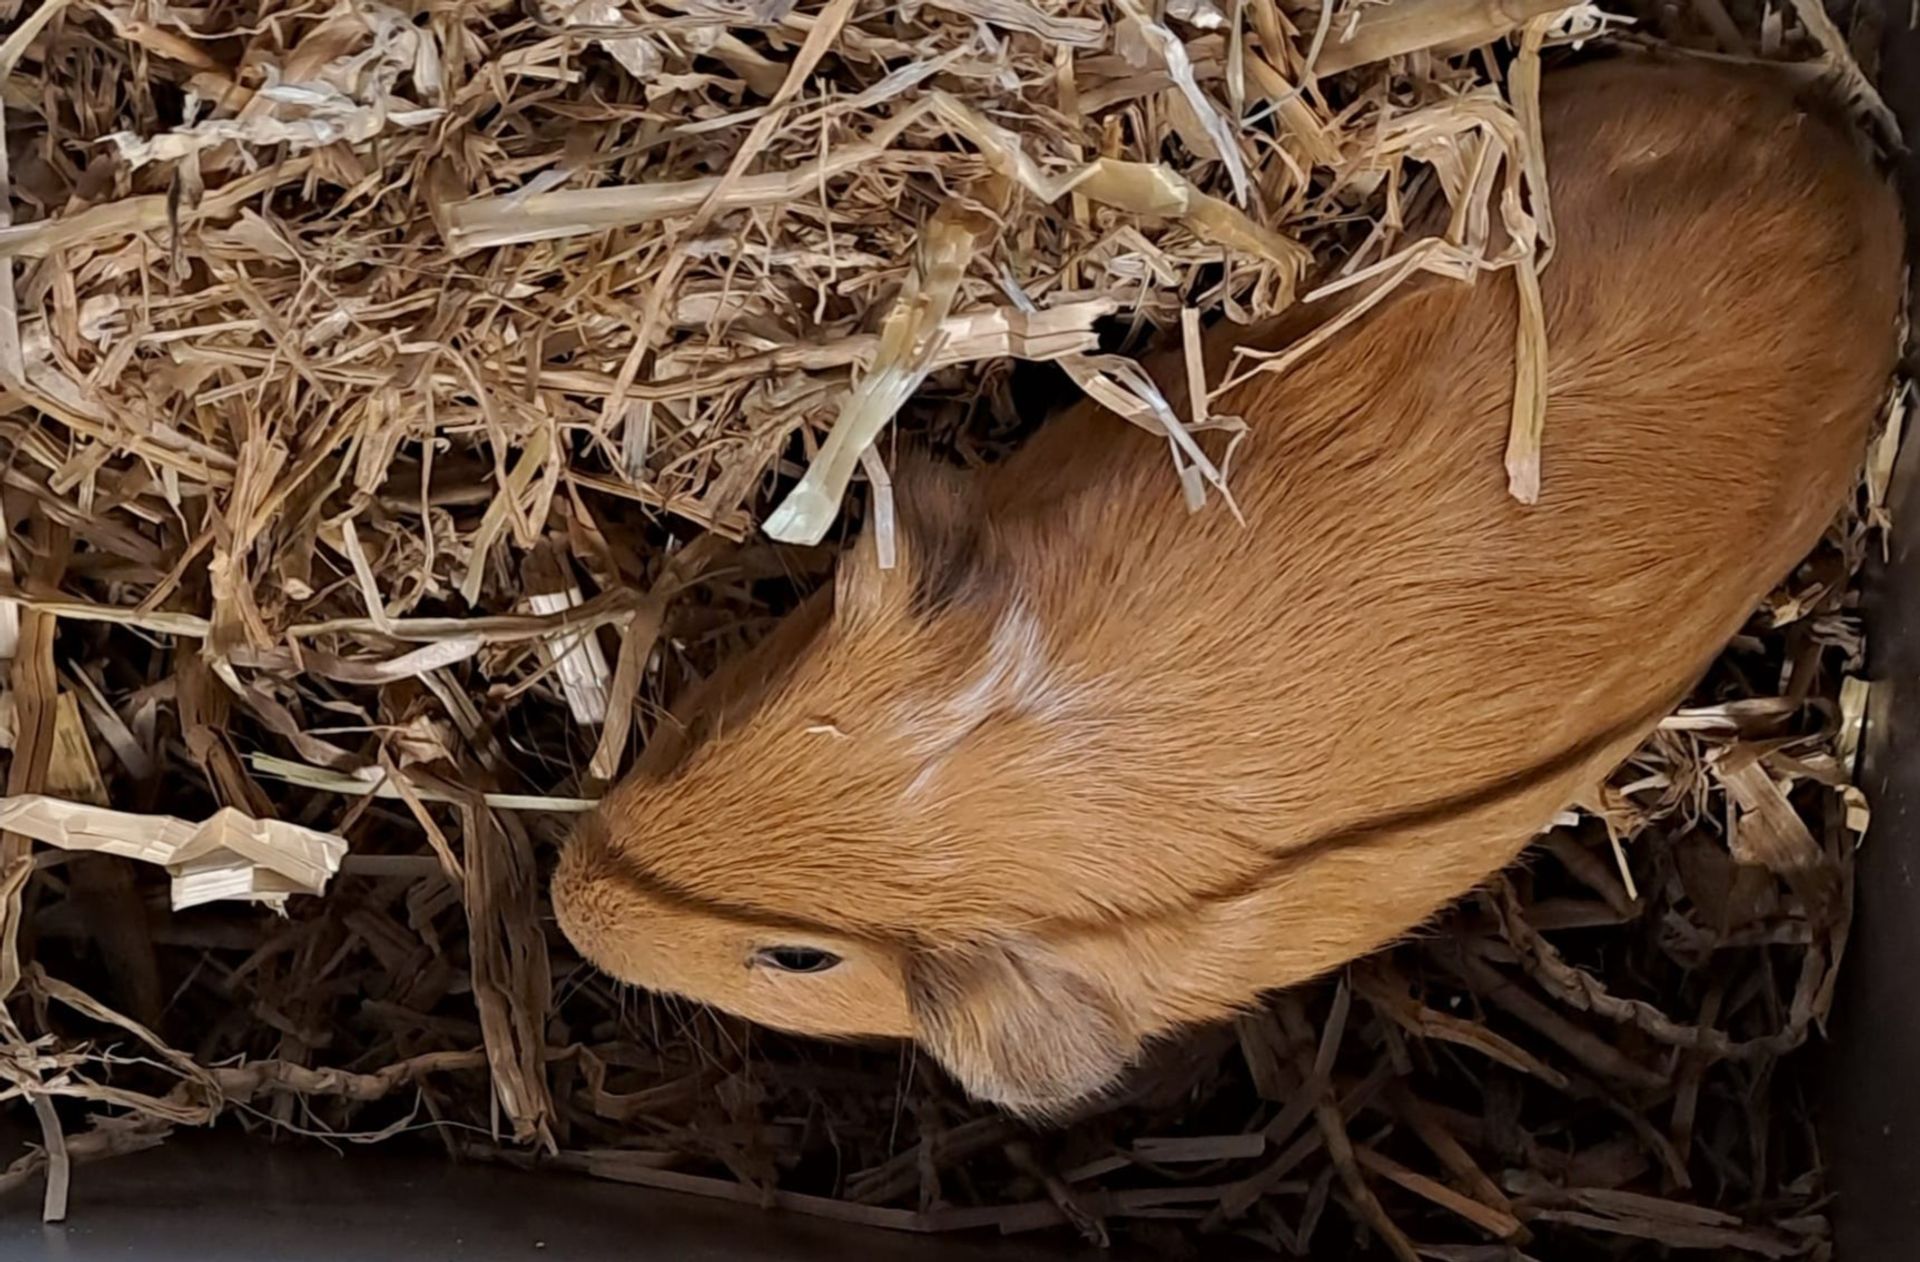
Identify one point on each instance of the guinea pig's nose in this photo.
(581, 903)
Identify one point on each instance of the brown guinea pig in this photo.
(1084, 768)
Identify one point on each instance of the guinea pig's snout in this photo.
(581, 894)
(807, 979)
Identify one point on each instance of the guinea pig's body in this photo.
(1085, 767)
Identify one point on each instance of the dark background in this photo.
(1872, 1123)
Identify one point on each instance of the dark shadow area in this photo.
(223, 1197)
(1872, 1122)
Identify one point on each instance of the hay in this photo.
(392, 397)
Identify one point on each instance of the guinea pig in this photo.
(1083, 768)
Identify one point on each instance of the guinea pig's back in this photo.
(1734, 267)
(1390, 627)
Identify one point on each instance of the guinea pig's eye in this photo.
(794, 959)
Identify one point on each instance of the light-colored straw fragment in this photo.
(1398, 27)
(228, 856)
(908, 345)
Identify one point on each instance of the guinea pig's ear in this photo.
(936, 546)
(1017, 1026)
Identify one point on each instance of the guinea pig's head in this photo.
(1014, 1021)
(789, 862)
(1018, 1020)
(782, 971)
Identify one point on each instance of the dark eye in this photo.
(793, 959)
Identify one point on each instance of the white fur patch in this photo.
(1019, 676)
(1017, 664)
